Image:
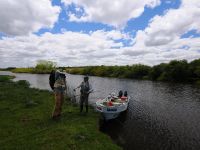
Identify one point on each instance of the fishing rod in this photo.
(74, 96)
(91, 92)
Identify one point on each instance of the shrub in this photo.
(23, 83)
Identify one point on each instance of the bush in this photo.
(23, 83)
(138, 71)
(198, 82)
(177, 71)
(157, 71)
(44, 66)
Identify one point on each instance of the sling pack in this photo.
(52, 79)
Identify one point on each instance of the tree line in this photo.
(174, 71)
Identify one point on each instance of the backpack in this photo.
(52, 79)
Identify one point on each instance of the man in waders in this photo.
(57, 81)
(85, 91)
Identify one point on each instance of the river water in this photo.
(160, 116)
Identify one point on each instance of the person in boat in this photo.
(125, 94)
(57, 81)
(85, 90)
(120, 94)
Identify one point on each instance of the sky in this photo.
(98, 32)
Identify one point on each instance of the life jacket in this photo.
(110, 103)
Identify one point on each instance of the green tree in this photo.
(176, 70)
(157, 71)
(138, 71)
(194, 68)
(44, 66)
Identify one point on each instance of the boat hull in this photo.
(111, 112)
(109, 116)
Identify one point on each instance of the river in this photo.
(160, 116)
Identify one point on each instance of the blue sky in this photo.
(101, 32)
(139, 23)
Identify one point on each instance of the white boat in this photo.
(112, 106)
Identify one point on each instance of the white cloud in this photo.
(115, 12)
(19, 17)
(96, 48)
(174, 23)
(159, 42)
(67, 48)
(113, 34)
(179, 49)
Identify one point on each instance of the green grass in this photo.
(198, 83)
(22, 70)
(31, 70)
(25, 122)
(5, 78)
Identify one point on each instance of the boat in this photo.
(112, 105)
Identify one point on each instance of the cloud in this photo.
(133, 51)
(115, 13)
(94, 48)
(20, 17)
(67, 48)
(159, 42)
(174, 23)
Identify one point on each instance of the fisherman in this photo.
(85, 90)
(57, 81)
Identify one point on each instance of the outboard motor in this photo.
(120, 93)
(125, 94)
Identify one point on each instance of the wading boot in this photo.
(86, 109)
(81, 108)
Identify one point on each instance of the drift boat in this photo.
(112, 105)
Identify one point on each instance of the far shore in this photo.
(176, 71)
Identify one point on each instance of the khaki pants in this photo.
(59, 99)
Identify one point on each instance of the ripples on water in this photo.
(161, 116)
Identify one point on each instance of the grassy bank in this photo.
(42, 67)
(5, 78)
(25, 122)
(31, 70)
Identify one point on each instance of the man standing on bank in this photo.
(58, 84)
(85, 90)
